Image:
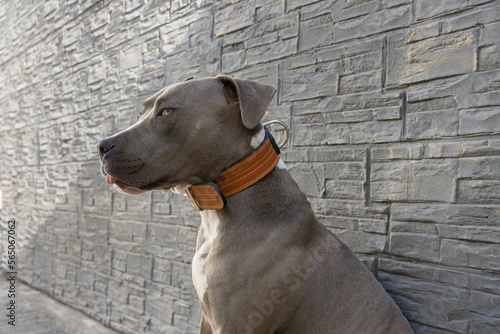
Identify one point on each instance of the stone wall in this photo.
(394, 109)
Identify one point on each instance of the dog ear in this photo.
(253, 97)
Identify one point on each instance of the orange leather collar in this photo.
(241, 175)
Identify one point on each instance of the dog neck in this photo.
(238, 177)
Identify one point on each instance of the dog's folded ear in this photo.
(253, 98)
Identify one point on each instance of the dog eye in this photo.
(165, 111)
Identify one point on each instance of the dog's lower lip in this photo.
(121, 186)
(126, 189)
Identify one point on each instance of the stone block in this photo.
(425, 9)
(130, 5)
(262, 40)
(367, 62)
(430, 181)
(484, 324)
(127, 231)
(469, 232)
(89, 226)
(429, 59)
(132, 207)
(426, 272)
(468, 149)
(294, 4)
(269, 52)
(357, 83)
(263, 73)
(392, 3)
(233, 17)
(480, 121)
(389, 182)
(373, 226)
(479, 191)
(478, 16)
(435, 124)
(422, 32)
(200, 30)
(316, 32)
(71, 36)
(309, 135)
(354, 171)
(454, 253)
(364, 54)
(327, 154)
(181, 275)
(480, 167)
(345, 189)
(344, 10)
(139, 265)
(174, 41)
(490, 32)
(365, 132)
(436, 104)
(414, 152)
(165, 233)
(360, 242)
(448, 313)
(130, 58)
(358, 210)
(372, 23)
(477, 100)
(461, 215)
(470, 254)
(415, 245)
(310, 180)
(488, 58)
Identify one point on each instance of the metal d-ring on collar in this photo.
(287, 130)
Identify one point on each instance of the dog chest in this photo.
(207, 234)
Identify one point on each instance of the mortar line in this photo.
(387, 246)
(367, 187)
(290, 140)
(220, 55)
(212, 28)
(279, 84)
(384, 62)
(404, 107)
(299, 23)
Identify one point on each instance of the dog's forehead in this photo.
(178, 90)
(151, 101)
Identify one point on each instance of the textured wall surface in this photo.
(394, 108)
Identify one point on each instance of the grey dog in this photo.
(263, 262)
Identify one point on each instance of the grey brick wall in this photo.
(394, 108)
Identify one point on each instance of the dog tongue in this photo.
(110, 179)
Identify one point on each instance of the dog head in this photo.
(186, 133)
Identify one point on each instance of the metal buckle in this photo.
(287, 130)
(193, 200)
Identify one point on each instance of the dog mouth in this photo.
(123, 187)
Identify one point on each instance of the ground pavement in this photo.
(37, 313)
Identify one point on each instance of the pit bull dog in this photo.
(263, 262)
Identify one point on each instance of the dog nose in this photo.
(105, 146)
